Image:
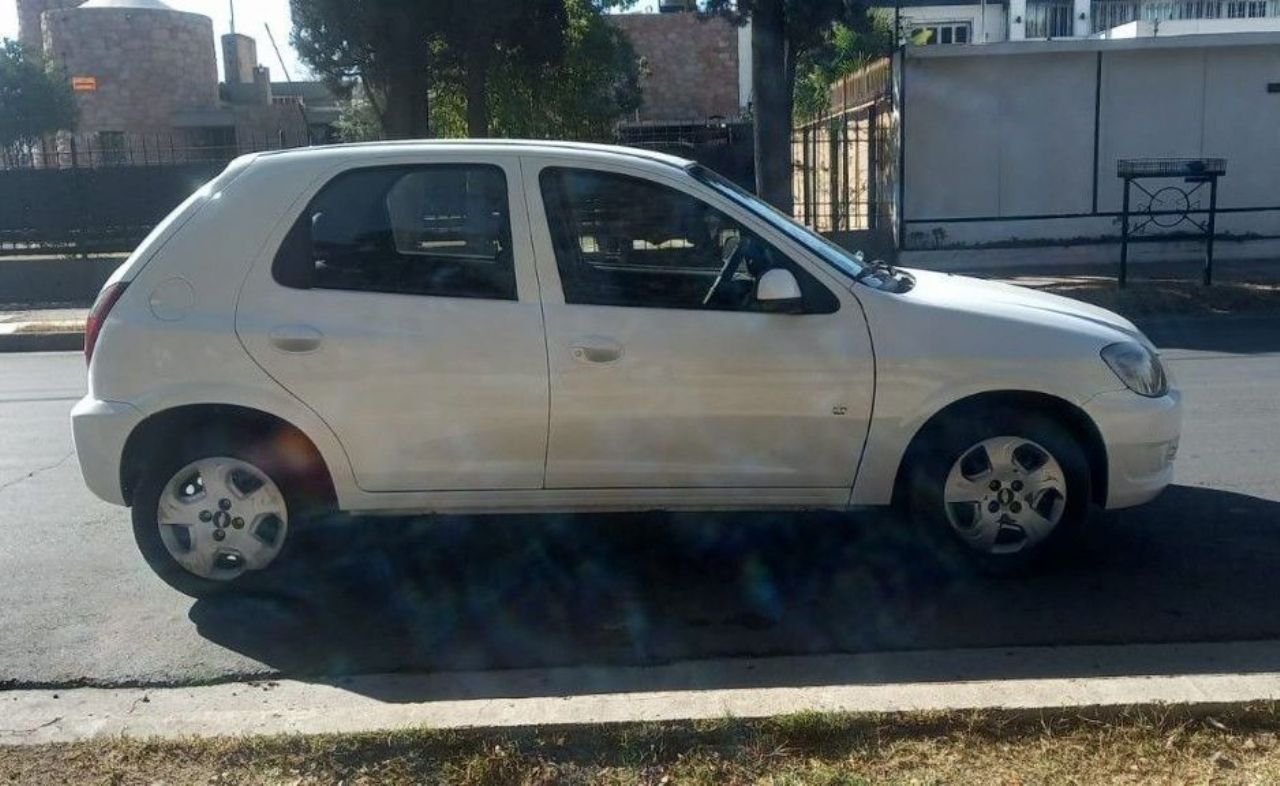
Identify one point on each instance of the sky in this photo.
(251, 15)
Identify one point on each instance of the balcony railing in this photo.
(1107, 14)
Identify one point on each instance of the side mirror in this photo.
(778, 291)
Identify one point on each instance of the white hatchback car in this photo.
(507, 326)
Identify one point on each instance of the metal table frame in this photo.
(1197, 171)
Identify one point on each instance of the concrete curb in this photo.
(1083, 676)
(42, 342)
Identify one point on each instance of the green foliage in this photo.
(358, 121)
(807, 22)
(593, 84)
(547, 67)
(385, 46)
(842, 51)
(35, 98)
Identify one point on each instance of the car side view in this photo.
(486, 327)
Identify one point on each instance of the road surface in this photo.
(79, 606)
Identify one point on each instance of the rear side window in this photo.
(441, 230)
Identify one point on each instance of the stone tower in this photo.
(148, 62)
(30, 27)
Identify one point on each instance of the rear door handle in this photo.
(296, 339)
(596, 349)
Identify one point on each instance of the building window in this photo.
(1050, 20)
(941, 33)
(1246, 9)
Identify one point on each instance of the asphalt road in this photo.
(78, 605)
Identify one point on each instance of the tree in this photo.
(782, 31)
(35, 97)
(594, 82)
(481, 35)
(387, 46)
(842, 51)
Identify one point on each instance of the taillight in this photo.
(98, 314)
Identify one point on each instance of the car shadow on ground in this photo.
(516, 592)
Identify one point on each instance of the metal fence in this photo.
(844, 165)
(104, 192)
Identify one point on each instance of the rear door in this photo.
(402, 307)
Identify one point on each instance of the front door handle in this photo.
(296, 339)
(597, 350)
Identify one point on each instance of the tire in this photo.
(1002, 531)
(239, 528)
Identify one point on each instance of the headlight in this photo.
(1138, 368)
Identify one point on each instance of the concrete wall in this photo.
(1008, 133)
(692, 65)
(149, 64)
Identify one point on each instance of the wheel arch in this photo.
(1070, 416)
(299, 451)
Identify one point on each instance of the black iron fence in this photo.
(104, 192)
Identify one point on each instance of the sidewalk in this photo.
(42, 329)
(1028, 678)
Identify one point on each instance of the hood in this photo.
(994, 298)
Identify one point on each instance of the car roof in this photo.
(356, 149)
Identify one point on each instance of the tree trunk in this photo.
(773, 84)
(477, 87)
(406, 78)
(406, 113)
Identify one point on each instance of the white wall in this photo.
(1010, 134)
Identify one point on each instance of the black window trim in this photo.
(289, 265)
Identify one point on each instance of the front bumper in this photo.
(1141, 436)
(100, 429)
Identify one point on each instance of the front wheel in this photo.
(209, 518)
(1002, 489)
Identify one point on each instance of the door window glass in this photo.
(626, 241)
(440, 230)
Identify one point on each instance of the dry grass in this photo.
(1161, 746)
(1156, 297)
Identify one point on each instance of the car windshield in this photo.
(847, 262)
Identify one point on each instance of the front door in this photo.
(660, 378)
(402, 308)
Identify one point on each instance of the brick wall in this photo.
(692, 65)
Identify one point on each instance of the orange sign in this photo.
(84, 84)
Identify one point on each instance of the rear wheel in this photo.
(1003, 489)
(212, 516)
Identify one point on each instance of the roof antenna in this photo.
(233, 16)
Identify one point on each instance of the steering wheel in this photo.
(731, 261)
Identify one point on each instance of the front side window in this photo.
(441, 230)
(627, 241)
